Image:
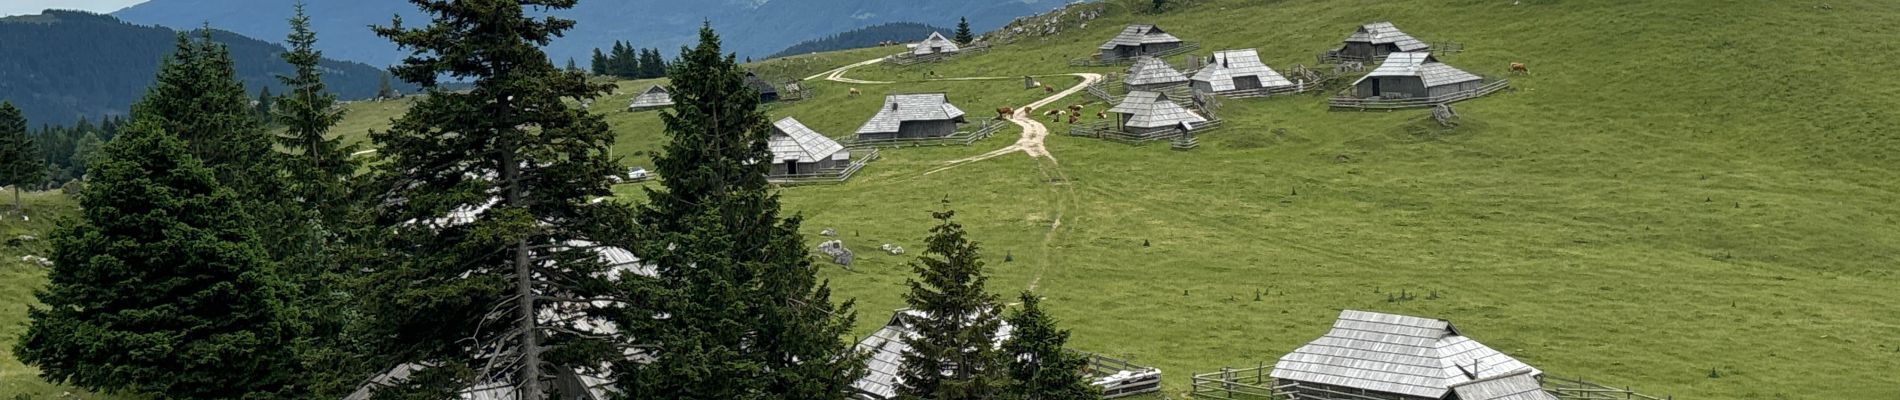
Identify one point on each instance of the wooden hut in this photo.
(767, 92)
(1231, 70)
(1370, 355)
(1378, 39)
(1138, 40)
(1151, 114)
(934, 45)
(655, 97)
(886, 348)
(799, 150)
(1519, 385)
(1152, 74)
(913, 116)
(1414, 75)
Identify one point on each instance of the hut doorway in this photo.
(791, 167)
(1376, 92)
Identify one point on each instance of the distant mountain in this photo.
(902, 32)
(64, 65)
(752, 28)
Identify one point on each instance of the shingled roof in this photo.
(887, 347)
(1398, 354)
(654, 97)
(1153, 71)
(901, 108)
(936, 40)
(1421, 65)
(1140, 34)
(1154, 110)
(759, 84)
(1519, 385)
(1386, 33)
(793, 141)
(1226, 65)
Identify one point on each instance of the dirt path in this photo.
(1034, 133)
(837, 75)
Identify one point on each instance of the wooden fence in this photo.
(908, 59)
(1106, 130)
(1134, 380)
(1577, 389)
(1347, 102)
(826, 177)
(1257, 384)
(984, 130)
(1105, 61)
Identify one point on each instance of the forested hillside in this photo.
(64, 65)
(902, 32)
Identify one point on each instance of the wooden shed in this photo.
(1379, 39)
(1230, 70)
(767, 92)
(887, 346)
(655, 97)
(1370, 355)
(1144, 113)
(1138, 40)
(1152, 74)
(1414, 75)
(934, 45)
(913, 116)
(799, 150)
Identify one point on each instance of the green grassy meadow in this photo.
(18, 281)
(1679, 188)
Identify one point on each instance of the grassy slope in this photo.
(18, 280)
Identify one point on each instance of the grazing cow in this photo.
(1075, 108)
(1073, 117)
(1518, 67)
(855, 92)
(1028, 110)
(1004, 112)
(1048, 89)
(1101, 115)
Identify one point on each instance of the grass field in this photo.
(18, 280)
(1679, 189)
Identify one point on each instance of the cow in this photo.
(1518, 67)
(855, 92)
(1073, 117)
(1048, 89)
(1101, 115)
(1052, 112)
(1076, 108)
(1004, 113)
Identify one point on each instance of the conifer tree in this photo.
(263, 103)
(21, 162)
(747, 317)
(1039, 368)
(599, 63)
(199, 99)
(383, 90)
(160, 288)
(488, 207)
(953, 355)
(963, 31)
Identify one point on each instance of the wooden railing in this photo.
(1106, 61)
(1346, 102)
(1140, 379)
(984, 130)
(1576, 389)
(822, 177)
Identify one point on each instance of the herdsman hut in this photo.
(934, 45)
(1139, 40)
(913, 116)
(1375, 356)
(1154, 115)
(767, 92)
(888, 344)
(655, 97)
(1378, 39)
(1150, 73)
(799, 150)
(1414, 75)
(1232, 70)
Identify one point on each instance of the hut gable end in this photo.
(1136, 35)
(793, 141)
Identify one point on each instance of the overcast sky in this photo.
(17, 7)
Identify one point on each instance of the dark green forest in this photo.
(901, 32)
(62, 66)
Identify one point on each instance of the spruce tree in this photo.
(953, 355)
(21, 162)
(599, 63)
(1039, 368)
(653, 63)
(160, 287)
(963, 31)
(199, 99)
(383, 90)
(487, 207)
(263, 105)
(747, 317)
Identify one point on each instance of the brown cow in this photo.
(1048, 89)
(1075, 108)
(1072, 118)
(1004, 112)
(855, 92)
(1101, 115)
(1052, 112)
(1518, 67)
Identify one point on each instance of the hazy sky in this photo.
(17, 7)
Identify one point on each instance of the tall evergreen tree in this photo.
(599, 63)
(571, 66)
(487, 209)
(383, 90)
(954, 355)
(1039, 368)
(21, 162)
(963, 31)
(263, 105)
(199, 99)
(654, 63)
(747, 317)
(161, 288)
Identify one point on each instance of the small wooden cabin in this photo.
(913, 116)
(1152, 74)
(799, 150)
(767, 92)
(1370, 355)
(1139, 40)
(1230, 70)
(1151, 114)
(934, 45)
(1379, 39)
(1414, 75)
(655, 97)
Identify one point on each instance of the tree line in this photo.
(215, 258)
(627, 62)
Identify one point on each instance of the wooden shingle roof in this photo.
(1519, 385)
(1226, 65)
(1421, 65)
(901, 108)
(1139, 34)
(1152, 71)
(1398, 354)
(793, 141)
(1386, 33)
(887, 347)
(655, 96)
(759, 84)
(1154, 110)
(935, 41)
